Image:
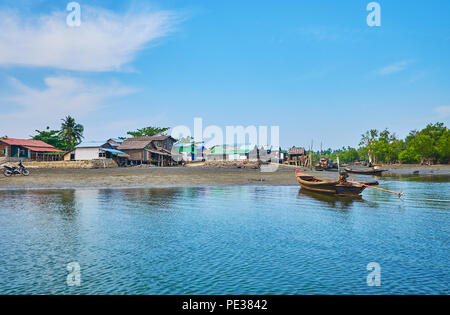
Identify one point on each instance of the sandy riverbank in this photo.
(177, 176)
(405, 169)
(145, 177)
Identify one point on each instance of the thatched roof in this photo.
(153, 138)
(297, 151)
(141, 142)
(134, 144)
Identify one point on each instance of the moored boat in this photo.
(340, 186)
(331, 168)
(318, 167)
(370, 171)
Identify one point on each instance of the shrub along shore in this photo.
(430, 145)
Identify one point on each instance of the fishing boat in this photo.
(325, 165)
(370, 171)
(340, 187)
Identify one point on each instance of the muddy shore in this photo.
(182, 176)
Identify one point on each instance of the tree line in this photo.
(431, 145)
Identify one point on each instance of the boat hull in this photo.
(336, 187)
(340, 190)
(365, 172)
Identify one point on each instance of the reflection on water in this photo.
(420, 178)
(225, 240)
(332, 201)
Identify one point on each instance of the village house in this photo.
(244, 152)
(232, 152)
(297, 156)
(189, 152)
(14, 150)
(156, 150)
(88, 151)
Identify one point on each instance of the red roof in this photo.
(32, 145)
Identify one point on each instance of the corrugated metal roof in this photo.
(158, 152)
(158, 138)
(116, 140)
(91, 144)
(40, 149)
(113, 151)
(33, 145)
(140, 142)
(132, 144)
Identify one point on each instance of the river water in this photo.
(226, 240)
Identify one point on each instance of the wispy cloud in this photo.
(443, 111)
(105, 41)
(394, 68)
(61, 96)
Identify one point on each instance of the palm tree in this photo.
(71, 132)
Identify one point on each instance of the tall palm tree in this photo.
(71, 132)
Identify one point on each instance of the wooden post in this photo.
(320, 157)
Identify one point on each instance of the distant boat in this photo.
(370, 171)
(331, 168)
(318, 167)
(340, 187)
(325, 165)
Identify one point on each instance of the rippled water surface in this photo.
(225, 240)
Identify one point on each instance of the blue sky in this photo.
(314, 68)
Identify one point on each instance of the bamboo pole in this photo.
(385, 190)
(400, 194)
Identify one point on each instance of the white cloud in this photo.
(105, 41)
(443, 111)
(30, 108)
(394, 68)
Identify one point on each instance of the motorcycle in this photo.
(15, 170)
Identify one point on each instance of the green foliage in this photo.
(443, 147)
(368, 140)
(51, 137)
(346, 155)
(429, 145)
(349, 155)
(408, 156)
(68, 137)
(148, 132)
(71, 133)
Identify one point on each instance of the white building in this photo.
(88, 151)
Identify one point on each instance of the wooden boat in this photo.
(340, 187)
(365, 172)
